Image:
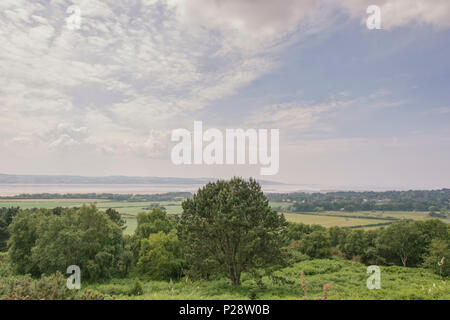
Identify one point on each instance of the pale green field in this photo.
(374, 216)
(282, 205)
(328, 221)
(415, 215)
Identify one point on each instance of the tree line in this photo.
(413, 200)
(169, 196)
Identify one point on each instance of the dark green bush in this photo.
(136, 289)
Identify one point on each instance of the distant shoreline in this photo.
(10, 190)
(100, 180)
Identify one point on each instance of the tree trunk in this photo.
(235, 278)
(404, 259)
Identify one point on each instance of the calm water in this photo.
(15, 189)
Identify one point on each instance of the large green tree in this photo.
(401, 241)
(43, 242)
(6, 216)
(23, 231)
(229, 227)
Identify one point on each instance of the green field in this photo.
(348, 278)
(129, 210)
(329, 221)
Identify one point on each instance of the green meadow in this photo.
(345, 279)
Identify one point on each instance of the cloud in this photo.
(136, 66)
(143, 55)
(299, 119)
(251, 25)
(66, 136)
(291, 116)
(401, 13)
(156, 146)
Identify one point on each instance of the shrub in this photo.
(136, 289)
(317, 245)
(160, 257)
(52, 287)
(5, 266)
(438, 257)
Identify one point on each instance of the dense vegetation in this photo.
(413, 200)
(105, 196)
(227, 230)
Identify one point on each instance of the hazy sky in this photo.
(355, 107)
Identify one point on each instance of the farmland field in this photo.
(329, 221)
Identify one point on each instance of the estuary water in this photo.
(15, 189)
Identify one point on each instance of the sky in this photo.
(356, 108)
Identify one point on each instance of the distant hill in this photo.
(48, 179)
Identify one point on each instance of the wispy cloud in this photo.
(139, 68)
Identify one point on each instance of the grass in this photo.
(348, 278)
(329, 221)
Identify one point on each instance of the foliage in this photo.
(296, 231)
(348, 278)
(317, 244)
(160, 257)
(438, 257)
(45, 243)
(153, 221)
(413, 200)
(5, 265)
(136, 289)
(6, 216)
(401, 242)
(52, 287)
(23, 238)
(115, 217)
(228, 227)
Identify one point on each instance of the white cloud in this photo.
(400, 13)
(156, 146)
(291, 116)
(137, 65)
(154, 60)
(66, 136)
(248, 24)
